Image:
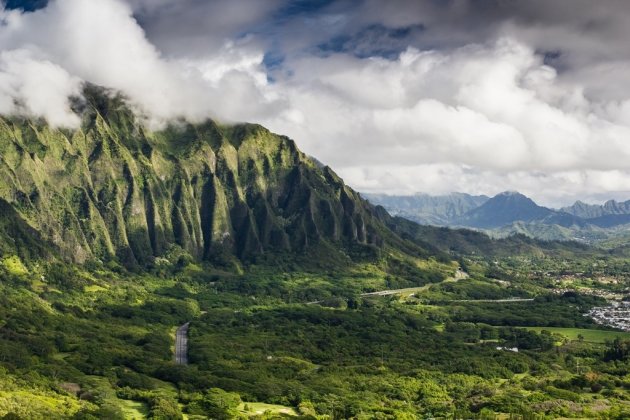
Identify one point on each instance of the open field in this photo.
(257, 409)
(134, 410)
(593, 336)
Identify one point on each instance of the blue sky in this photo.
(400, 96)
(26, 4)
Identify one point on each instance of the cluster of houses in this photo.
(616, 315)
(606, 294)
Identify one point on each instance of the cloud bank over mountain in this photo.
(465, 95)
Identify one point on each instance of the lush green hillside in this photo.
(303, 299)
(96, 343)
(114, 190)
(459, 242)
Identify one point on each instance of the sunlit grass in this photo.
(256, 409)
(592, 336)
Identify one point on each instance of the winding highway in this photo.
(410, 291)
(508, 300)
(181, 344)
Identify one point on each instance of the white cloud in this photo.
(99, 41)
(549, 189)
(36, 88)
(496, 106)
(477, 117)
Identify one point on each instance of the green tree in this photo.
(618, 349)
(165, 409)
(220, 404)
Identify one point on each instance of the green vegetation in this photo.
(114, 191)
(258, 349)
(257, 409)
(112, 236)
(593, 336)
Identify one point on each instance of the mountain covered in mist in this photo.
(427, 209)
(113, 189)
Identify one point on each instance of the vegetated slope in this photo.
(468, 242)
(425, 209)
(115, 190)
(83, 343)
(16, 236)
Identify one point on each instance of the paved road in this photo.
(509, 300)
(459, 275)
(181, 344)
(410, 290)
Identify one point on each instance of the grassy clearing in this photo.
(94, 288)
(20, 401)
(256, 409)
(134, 410)
(593, 336)
(13, 265)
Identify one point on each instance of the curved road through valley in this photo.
(181, 344)
(459, 275)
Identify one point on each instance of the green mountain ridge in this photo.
(465, 242)
(115, 190)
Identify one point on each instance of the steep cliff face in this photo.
(114, 189)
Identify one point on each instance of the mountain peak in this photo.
(503, 209)
(510, 194)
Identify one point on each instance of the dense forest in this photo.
(78, 343)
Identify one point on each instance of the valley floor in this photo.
(427, 341)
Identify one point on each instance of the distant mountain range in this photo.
(428, 209)
(512, 212)
(591, 211)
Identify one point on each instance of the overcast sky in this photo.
(478, 96)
